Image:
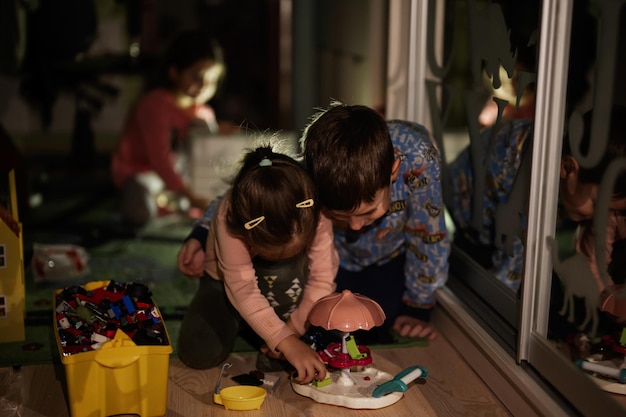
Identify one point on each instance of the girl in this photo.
(269, 257)
(147, 160)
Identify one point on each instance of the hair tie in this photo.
(306, 203)
(265, 162)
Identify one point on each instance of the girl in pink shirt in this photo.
(149, 158)
(580, 199)
(269, 257)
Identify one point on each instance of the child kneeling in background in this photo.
(149, 164)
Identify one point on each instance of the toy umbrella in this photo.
(346, 312)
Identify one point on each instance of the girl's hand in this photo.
(308, 364)
(191, 258)
(408, 326)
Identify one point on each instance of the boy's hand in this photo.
(408, 326)
(308, 364)
(191, 258)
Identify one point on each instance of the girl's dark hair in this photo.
(349, 155)
(271, 184)
(191, 46)
(185, 49)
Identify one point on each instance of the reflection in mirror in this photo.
(487, 187)
(485, 125)
(588, 303)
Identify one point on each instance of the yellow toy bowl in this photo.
(242, 397)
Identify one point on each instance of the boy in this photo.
(380, 184)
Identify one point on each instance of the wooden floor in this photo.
(451, 389)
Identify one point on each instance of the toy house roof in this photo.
(7, 218)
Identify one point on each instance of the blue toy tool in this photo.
(602, 369)
(400, 382)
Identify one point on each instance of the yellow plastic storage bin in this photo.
(120, 377)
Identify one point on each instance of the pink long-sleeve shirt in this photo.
(146, 141)
(585, 243)
(230, 259)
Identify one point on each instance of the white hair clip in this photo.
(253, 223)
(265, 162)
(305, 203)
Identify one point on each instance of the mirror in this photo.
(485, 124)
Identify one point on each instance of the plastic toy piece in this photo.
(271, 383)
(334, 356)
(218, 383)
(613, 301)
(346, 312)
(242, 397)
(605, 370)
(400, 382)
(324, 382)
(353, 349)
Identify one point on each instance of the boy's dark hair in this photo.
(349, 155)
(615, 148)
(272, 189)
